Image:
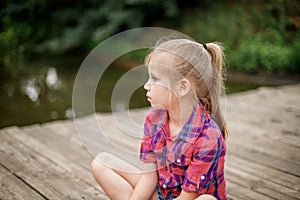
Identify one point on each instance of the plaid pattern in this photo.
(192, 161)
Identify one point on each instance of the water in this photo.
(41, 91)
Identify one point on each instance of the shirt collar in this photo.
(192, 128)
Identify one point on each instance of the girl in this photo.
(183, 147)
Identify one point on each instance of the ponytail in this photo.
(216, 53)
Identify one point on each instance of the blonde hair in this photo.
(203, 65)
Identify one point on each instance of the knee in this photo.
(97, 166)
(99, 163)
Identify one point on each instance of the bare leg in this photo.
(206, 197)
(117, 184)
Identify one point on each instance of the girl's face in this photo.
(158, 85)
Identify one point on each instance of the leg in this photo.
(154, 196)
(206, 197)
(116, 184)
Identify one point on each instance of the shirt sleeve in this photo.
(204, 165)
(146, 152)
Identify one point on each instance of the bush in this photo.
(258, 37)
(13, 44)
(258, 55)
(294, 56)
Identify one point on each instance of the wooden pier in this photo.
(49, 161)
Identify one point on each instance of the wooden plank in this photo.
(113, 132)
(70, 156)
(267, 131)
(58, 148)
(76, 156)
(246, 151)
(259, 185)
(261, 110)
(288, 134)
(264, 172)
(236, 191)
(91, 141)
(41, 173)
(111, 139)
(12, 187)
(64, 128)
(264, 141)
(251, 138)
(262, 150)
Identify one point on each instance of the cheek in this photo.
(161, 90)
(165, 95)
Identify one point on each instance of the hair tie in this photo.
(205, 47)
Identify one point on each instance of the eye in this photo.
(154, 78)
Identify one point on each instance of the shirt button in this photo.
(202, 177)
(164, 186)
(178, 160)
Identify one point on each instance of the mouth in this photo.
(148, 97)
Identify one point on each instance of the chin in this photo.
(157, 106)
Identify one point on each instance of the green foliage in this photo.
(294, 56)
(260, 36)
(59, 26)
(259, 55)
(13, 44)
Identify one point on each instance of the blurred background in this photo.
(43, 43)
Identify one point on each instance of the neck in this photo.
(180, 111)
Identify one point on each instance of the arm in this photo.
(146, 183)
(208, 158)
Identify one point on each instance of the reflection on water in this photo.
(34, 87)
(44, 84)
(9, 89)
(52, 79)
(31, 89)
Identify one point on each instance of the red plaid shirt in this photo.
(192, 161)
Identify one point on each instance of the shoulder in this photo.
(155, 117)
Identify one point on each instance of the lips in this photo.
(148, 97)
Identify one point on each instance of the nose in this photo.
(147, 86)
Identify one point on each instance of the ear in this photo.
(184, 87)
